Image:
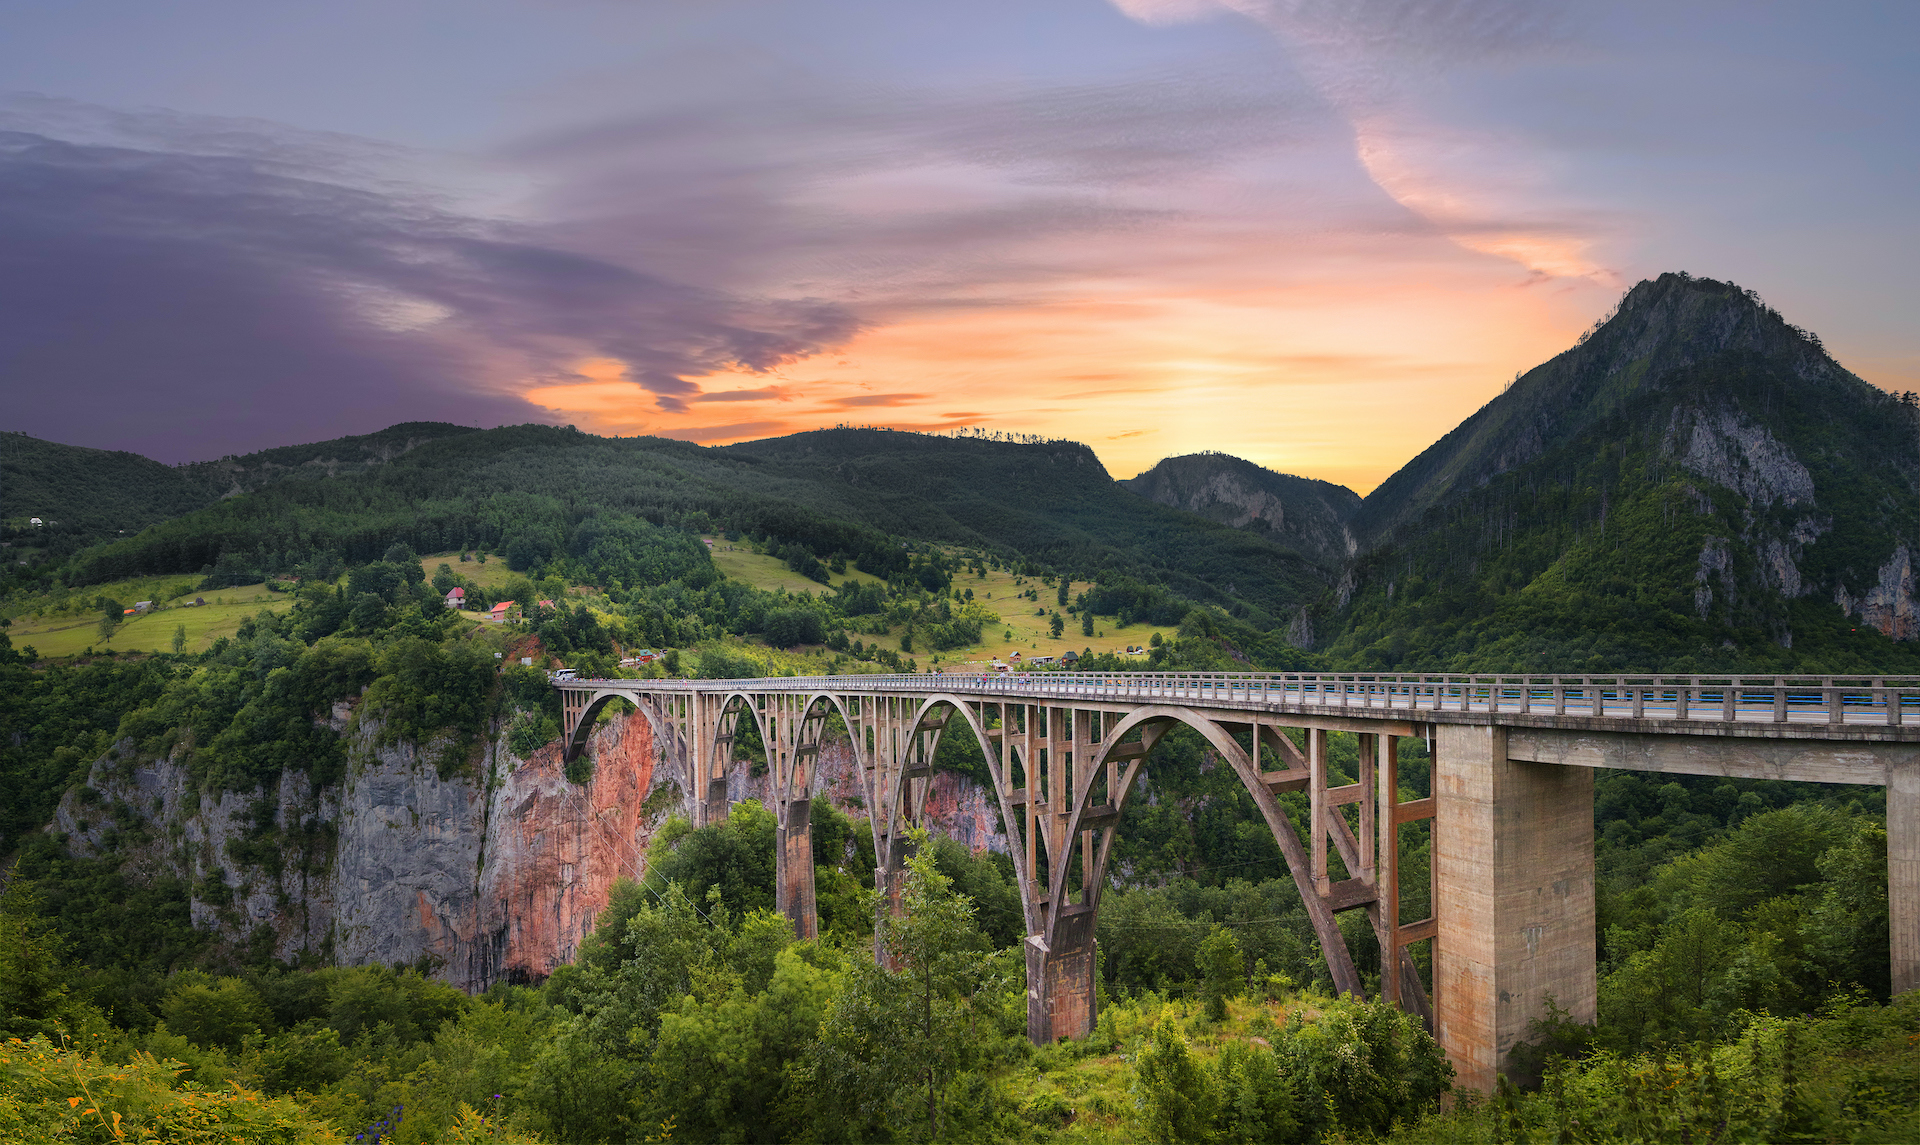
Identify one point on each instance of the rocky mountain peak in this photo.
(1660, 329)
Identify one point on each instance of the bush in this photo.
(1173, 1089)
(50, 1093)
(787, 627)
(216, 1013)
(1223, 970)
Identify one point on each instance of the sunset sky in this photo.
(1312, 233)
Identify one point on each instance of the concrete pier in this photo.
(793, 869)
(1513, 857)
(1061, 998)
(1903, 872)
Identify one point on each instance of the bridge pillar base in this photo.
(1903, 872)
(793, 875)
(890, 885)
(1061, 999)
(714, 810)
(1513, 859)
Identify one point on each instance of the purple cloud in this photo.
(188, 304)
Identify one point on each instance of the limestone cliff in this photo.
(555, 848)
(483, 880)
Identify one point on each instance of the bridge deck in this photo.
(1859, 708)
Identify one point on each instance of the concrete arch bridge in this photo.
(1512, 890)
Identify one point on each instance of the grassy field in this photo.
(492, 575)
(1005, 594)
(1000, 591)
(736, 560)
(153, 631)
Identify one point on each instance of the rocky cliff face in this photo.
(484, 881)
(1305, 515)
(555, 848)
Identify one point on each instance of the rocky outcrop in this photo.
(1888, 604)
(1307, 516)
(1731, 450)
(1715, 558)
(146, 812)
(555, 848)
(409, 842)
(482, 880)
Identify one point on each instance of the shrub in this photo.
(51, 1093)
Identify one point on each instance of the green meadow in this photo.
(59, 632)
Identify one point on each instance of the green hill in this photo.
(1697, 486)
(534, 492)
(85, 496)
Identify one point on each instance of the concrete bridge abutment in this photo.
(1513, 858)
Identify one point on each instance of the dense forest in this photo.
(1583, 522)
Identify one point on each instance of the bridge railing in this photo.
(1890, 700)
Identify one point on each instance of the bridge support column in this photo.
(1060, 987)
(890, 886)
(1903, 872)
(793, 869)
(1513, 857)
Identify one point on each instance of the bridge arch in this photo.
(1164, 718)
(587, 713)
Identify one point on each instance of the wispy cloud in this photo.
(769, 394)
(246, 279)
(1384, 63)
(735, 431)
(863, 400)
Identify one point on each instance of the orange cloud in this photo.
(1271, 375)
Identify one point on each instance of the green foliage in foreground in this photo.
(1356, 1068)
(51, 1092)
(1848, 1074)
(700, 1015)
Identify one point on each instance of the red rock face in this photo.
(554, 849)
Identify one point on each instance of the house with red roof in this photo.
(505, 610)
(456, 598)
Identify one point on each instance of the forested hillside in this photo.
(1696, 487)
(85, 496)
(536, 492)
